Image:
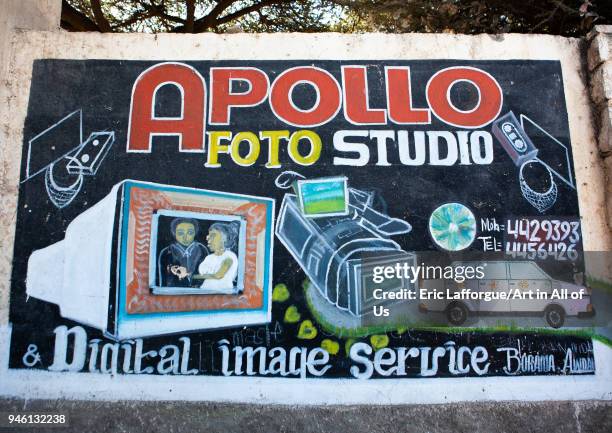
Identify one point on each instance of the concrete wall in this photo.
(16, 16)
(26, 15)
(600, 76)
(590, 159)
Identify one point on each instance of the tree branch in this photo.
(103, 23)
(161, 12)
(220, 7)
(138, 16)
(212, 19)
(76, 21)
(561, 4)
(190, 15)
(545, 20)
(209, 20)
(247, 10)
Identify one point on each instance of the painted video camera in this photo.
(332, 242)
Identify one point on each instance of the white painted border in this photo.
(263, 390)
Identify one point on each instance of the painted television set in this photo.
(152, 259)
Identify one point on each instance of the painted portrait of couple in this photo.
(198, 254)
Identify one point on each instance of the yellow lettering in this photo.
(274, 138)
(315, 147)
(215, 147)
(254, 148)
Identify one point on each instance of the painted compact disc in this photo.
(452, 226)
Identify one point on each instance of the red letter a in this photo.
(189, 126)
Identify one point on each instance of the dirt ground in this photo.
(168, 417)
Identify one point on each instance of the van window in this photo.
(526, 271)
(495, 271)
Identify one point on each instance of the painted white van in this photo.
(507, 276)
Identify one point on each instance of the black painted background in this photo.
(103, 90)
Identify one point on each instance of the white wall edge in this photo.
(264, 390)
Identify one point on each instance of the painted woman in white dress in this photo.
(219, 269)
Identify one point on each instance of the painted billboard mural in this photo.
(238, 218)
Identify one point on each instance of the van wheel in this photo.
(456, 313)
(555, 316)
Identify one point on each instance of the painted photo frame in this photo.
(324, 197)
(196, 286)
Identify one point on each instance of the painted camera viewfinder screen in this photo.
(323, 197)
(196, 253)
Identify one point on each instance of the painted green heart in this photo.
(379, 341)
(401, 330)
(347, 345)
(307, 330)
(331, 346)
(280, 293)
(292, 315)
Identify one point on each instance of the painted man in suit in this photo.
(180, 260)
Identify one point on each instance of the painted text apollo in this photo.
(204, 123)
